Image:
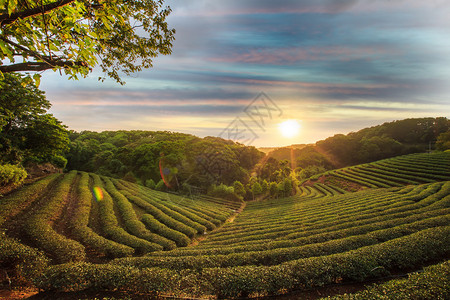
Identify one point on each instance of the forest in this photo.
(186, 164)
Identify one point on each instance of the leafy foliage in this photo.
(184, 161)
(433, 283)
(443, 141)
(10, 174)
(383, 141)
(28, 132)
(22, 262)
(74, 36)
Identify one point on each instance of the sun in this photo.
(289, 128)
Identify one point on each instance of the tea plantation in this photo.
(349, 225)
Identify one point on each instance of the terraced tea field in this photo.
(126, 237)
(393, 172)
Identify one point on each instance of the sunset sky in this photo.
(334, 65)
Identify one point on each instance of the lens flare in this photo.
(98, 193)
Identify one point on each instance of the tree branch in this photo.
(40, 66)
(24, 49)
(6, 19)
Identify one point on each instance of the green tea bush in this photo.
(154, 225)
(161, 216)
(111, 228)
(165, 209)
(365, 263)
(433, 283)
(15, 202)
(38, 226)
(131, 222)
(280, 255)
(23, 263)
(83, 233)
(81, 276)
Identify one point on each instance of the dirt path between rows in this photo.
(231, 219)
(62, 224)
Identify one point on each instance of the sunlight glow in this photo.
(289, 128)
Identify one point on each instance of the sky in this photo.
(239, 68)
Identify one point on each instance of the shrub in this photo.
(223, 191)
(11, 174)
(160, 186)
(59, 161)
(150, 184)
(130, 177)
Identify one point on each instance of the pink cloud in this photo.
(293, 55)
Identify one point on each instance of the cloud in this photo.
(262, 6)
(347, 64)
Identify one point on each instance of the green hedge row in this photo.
(434, 201)
(292, 232)
(364, 182)
(194, 217)
(173, 214)
(38, 226)
(315, 237)
(84, 234)
(292, 217)
(373, 178)
(280, 255)
(433, 283)
(410, 168)
(131, 221)
(333, 191)
(22, 263)
(13, 203)
(160, 216)
(389, 178)
(395, 175)
(111, 228)
(214, 218)
(400, 254)
(154, 225)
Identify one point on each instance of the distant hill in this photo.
(268, 150)
(411, 169)
(282, 153)
(369, 144)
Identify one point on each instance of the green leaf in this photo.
(37, 79)
(5, 49)
(12, 4)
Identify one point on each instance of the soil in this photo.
(22, 294)
(62, 224)
(37, 171)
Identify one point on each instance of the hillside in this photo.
(394, 172)
(129, 238)
(386, 140)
